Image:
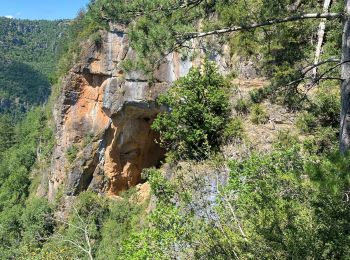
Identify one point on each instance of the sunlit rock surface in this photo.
(104, 114)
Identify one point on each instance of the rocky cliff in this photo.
(104, 115)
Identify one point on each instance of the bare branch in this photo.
(76, 243)
(309, 68)
(192, 35)
(328, 71)
(87, 239)
(67, 223)
(61, 237)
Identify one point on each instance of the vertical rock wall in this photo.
(103, 119)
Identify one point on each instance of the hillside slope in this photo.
(29, 51)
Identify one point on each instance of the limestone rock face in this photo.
(103, 119)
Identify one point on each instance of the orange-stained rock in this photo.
(103, 119)
(131, 147)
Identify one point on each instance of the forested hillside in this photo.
(183, 130)
(29, 51)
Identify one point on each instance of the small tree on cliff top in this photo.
(199, 110)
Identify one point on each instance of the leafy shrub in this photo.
(88, 138)
(161, 187)
(95, 224)
(327, 108)
(71, 153)
(258, 95)
(242, 106)
(96, 38)
(234, 129)
(127, 65)
(198, 113)
(259, 114)
(306, 122)
(37, 222)
(285, 139)
(21, 221)
(324, 140)
(123, 218)
(275, 205)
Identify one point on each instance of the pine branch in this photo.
(300, 17)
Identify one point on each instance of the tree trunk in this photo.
(345, 87)
(320, 34)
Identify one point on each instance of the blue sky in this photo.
(41, 9)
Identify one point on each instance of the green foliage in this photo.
(32, 42)
(32, 136)
(306, 122)
(6, 133)
(71, 153)
(276, 205)
(285, 140)
(323, 140)
(242, 106)
(277, 202)
(21, 84)
(326, 107)
(284, 204)
(258, 114)
(160, 186)
(96, 38)
(88, 139)
(234, 129)
(96, 221)
(127, 65)
(198, 114)
(323, 111)
(37, 223)
(258, 95)
(124, 218)
(28, 53)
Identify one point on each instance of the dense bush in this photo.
(285, 139)
(322, 140)
(278, 205)
(259, 114)
(96, 227)
(72, 152)
(22, 220)
(323, 111)
(326, 107)
(242, 106)
(306, 122)
(197, 116)
(234, 129)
